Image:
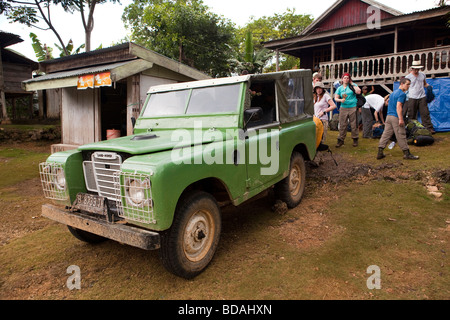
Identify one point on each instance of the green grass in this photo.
(18, 165)
(394, 225)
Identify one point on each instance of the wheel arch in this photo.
(214, 186)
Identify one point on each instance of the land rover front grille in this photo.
(99, 174)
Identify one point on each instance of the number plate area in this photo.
(90, 203)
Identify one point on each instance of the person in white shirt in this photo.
(323, 104)
(417, 100)
(376, 102)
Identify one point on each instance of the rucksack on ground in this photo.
(417, 134)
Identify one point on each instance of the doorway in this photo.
(114, 109)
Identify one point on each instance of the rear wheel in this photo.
(290, 189)
(190, 244)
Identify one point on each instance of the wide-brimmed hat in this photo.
(318, 84)
(416, 65)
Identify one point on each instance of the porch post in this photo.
(278, 60)
(396, 40)
(332, 49)
(5, 119)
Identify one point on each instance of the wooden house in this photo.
(14, 68)
(374, 43)
(100, 91)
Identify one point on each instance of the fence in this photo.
(388, 67)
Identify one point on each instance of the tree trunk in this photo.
(88, 41)
(89, 26)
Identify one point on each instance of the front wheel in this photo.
(190, 244)
(86, 236)
(290, 189)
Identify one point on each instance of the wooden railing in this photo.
(389, 67)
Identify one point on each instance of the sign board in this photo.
(94, 81)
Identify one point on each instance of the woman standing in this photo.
(346, 95)
(322, 105)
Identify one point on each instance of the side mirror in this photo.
(133, 121)
(253, 115)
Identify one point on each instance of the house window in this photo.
(324, 55)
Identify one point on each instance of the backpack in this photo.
(334, 122)
(377, 131)
(361, 100)
(417, 134)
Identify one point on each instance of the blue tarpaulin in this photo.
(440, 107)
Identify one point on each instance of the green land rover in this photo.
(196, 147)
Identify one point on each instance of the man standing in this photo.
(395, 123)
(417, 99)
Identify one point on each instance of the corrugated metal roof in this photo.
(78, 72)
(8, 39)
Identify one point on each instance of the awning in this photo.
(65, 79)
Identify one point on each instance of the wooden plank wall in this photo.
(353, 12)
(14, 74)
(80, 116)
(54, 103)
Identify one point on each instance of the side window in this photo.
(296, 97)
(263, 96)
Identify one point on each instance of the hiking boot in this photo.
(340, 143)
(355, 142)
(380, 155)
(408, 156)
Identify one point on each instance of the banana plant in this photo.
(42, 51)
(251, 60)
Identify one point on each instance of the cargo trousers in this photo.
(392, 127)
(347, 114)
(413, 107)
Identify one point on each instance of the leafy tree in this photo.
(32, 12)
(184, 30)
(278, 26)
(86, 9)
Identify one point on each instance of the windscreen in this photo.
(197, 101)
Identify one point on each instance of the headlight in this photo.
(136, 191)
(60, 178)
(53, 181)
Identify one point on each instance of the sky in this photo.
(109, 28)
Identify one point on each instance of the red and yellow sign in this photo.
(94, 81)
(85, 82)
(103, 79)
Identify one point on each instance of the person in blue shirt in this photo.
(395, 123)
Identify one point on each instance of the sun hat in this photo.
(416, 65)
(318, 84)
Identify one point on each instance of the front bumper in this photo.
(123, 233)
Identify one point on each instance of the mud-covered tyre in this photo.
(86, 236)
(189, 245)
(290, 189)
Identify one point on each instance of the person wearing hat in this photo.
(323, 104)
(417, 98)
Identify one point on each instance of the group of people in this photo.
(399, 106)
